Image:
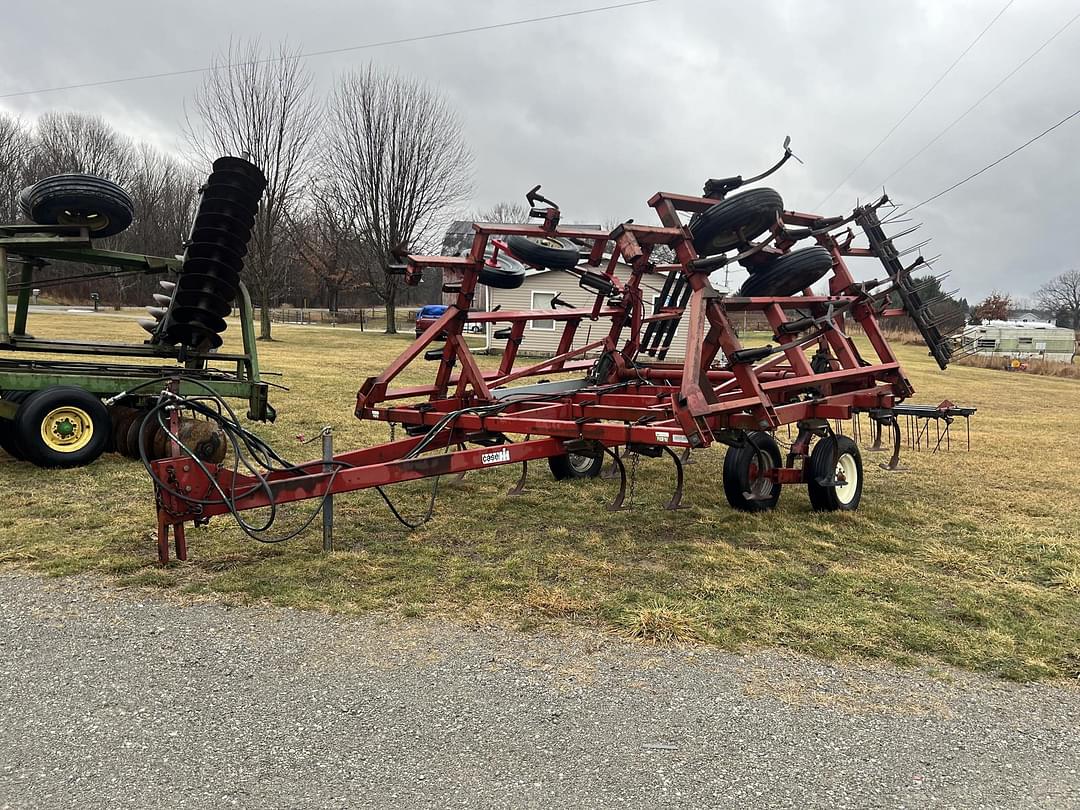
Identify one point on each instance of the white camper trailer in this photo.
(1020, 339)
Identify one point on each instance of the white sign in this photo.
(497, 457)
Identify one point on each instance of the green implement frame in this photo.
(32, 247)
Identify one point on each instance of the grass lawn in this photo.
(967, 558)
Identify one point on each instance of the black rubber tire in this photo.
(575, 465)
(100, 204)
(508, 275)
(7, 439)
(735, 221)
(7, 427)
(821, 467)
(740, 464)
(33, 412)
(789, 274)
(556, 254)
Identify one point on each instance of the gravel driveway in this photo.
(123, 699)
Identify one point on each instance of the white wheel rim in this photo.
(847, 477)
(580, 464)
(760, 485)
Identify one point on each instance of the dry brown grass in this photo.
(663, 620)
(1046, 368)
(905, 338)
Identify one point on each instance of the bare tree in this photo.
(1061, 295)
(261, 103)
(77, 142)
(327, 243)
(505, 212)
(14, 152)
(164, 192)
(395, 154)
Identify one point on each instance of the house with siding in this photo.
(540, 287)
(538, 290)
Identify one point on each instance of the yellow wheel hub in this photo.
(67, 429)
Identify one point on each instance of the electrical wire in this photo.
(914, 106)
(981, 99)
(348, 49)
(989, 166)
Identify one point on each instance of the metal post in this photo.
(4, 337)
(328, 502)
(22, 306)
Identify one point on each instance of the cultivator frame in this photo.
(617, 397)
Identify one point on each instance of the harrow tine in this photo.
(906, 272)
(904, 233)
(914, 248)
(941, 296)
(946, 318)
(921, 285)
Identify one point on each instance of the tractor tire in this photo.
(742, 476)
(548, 253)
(735, 221)
(7, 427)
(789, 274)
(508, 274)
(836, 458)
(79, 199)
(62, 426)
(575, 465)
(7, 439)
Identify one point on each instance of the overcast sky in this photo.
(607, 108)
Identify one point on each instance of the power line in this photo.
(916, 105)
(983, 98)
(331, 51)
(989, 166)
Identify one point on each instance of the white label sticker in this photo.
(662, 435)
(678, 438)
(374, 414)
(498, 457)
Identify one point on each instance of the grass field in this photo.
(967, 558)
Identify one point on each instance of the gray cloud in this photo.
(606, 109)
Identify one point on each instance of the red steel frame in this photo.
(691, 404)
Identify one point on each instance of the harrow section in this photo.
(194, 310)
(592, 398)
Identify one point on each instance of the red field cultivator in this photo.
(617, 394)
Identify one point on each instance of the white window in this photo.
(542, 300)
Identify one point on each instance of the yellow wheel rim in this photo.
(67, 429)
